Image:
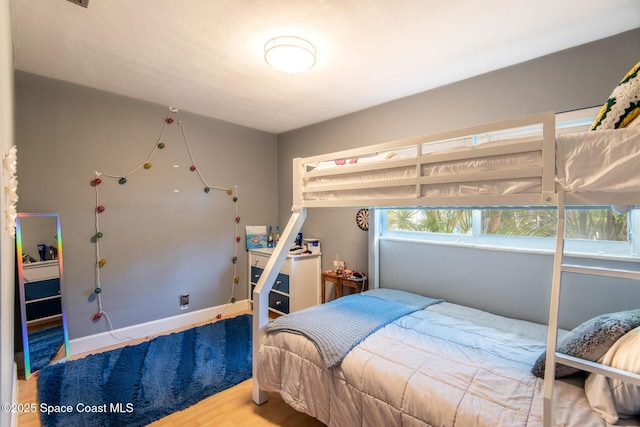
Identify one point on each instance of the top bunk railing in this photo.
(446, 169)
(519, 162)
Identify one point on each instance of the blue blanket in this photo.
(339, 325)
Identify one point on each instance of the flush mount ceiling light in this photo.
(290, 54)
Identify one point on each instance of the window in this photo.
(430, 220)
(584, 223)
(589, 224)
(594, 230)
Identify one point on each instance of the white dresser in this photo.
(297, 285)
(43, 300)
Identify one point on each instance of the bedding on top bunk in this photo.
(444, 365)
(590, 161)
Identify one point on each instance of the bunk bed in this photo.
(520, 162)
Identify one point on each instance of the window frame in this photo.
(601, 249)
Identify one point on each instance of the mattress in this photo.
(600, 161)
(445, 365)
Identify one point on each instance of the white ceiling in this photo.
(206, 56)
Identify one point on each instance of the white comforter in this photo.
(446, 365)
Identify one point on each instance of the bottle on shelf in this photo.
(277, 237)
(270, 237)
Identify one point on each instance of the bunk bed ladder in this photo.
(552, 355)
(262, 289)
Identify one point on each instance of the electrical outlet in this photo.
(184, 301)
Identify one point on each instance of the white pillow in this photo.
(611, 398)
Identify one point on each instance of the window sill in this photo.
(615, 251)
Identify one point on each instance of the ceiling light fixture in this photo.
(290, 54)
(83, 3)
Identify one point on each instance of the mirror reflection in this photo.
(42, 324)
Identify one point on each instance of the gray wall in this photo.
(509, 283)
(157, 243)
(576, 78)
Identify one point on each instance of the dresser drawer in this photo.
(43, 308)
(281, 284)
(42, 289)
(260, 261)
(279, 302)
(37, 271)
(256, 272)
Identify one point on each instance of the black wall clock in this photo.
(362, 219)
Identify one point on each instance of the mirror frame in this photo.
(21, 285)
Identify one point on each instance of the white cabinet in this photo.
(297, 285)
(42, 291)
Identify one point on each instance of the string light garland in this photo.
(101, 262)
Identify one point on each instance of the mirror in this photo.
(43, 327)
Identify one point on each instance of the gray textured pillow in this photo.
(590, 340)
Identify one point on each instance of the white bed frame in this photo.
(305, 169)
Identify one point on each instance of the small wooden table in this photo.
(354, 284)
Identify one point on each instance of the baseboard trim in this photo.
(148, 329)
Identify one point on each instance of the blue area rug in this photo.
(43, 345)
(136, 385)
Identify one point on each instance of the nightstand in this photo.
(356, 285)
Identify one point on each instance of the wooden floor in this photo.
(230, 408)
